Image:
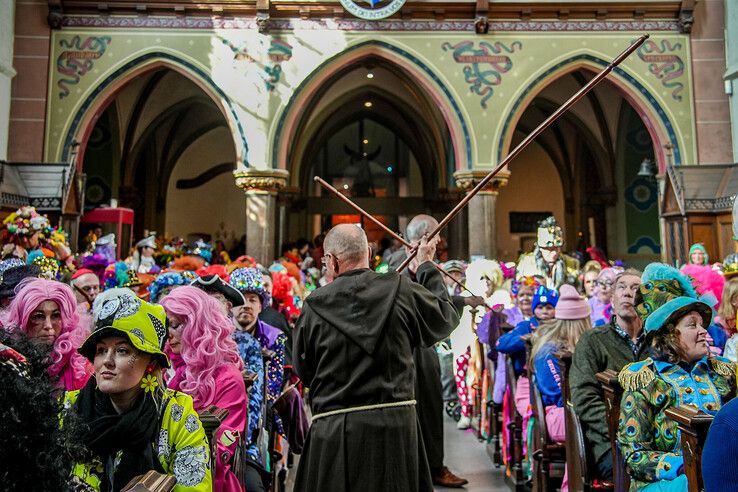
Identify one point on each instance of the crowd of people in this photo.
(108, 363)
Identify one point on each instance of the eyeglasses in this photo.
(326, 257)
(89, 289)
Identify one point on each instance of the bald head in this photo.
(419, 225)
(348, 244)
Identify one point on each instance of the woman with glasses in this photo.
(46, 312)
(600, 302)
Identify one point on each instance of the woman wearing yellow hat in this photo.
(133, 423)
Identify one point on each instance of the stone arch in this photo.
(654, 117)
(309, 91)
(106, 91)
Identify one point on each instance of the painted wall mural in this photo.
(76, 59)
(484, 65)
(665, 63)
(279, 51)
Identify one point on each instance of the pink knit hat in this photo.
(571, 305)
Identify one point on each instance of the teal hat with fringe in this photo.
(666, 295)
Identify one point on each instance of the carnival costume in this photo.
(564, 270)
(161, 432)
(144, 264)
(648, 438)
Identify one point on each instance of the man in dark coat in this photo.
(353, 347)
(428, 388)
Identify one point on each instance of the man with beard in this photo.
(354, 349)
(606, 347)
(546, 260)
(254, 337)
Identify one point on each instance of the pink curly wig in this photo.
(68, 365)
(706, 280)
(206, 341)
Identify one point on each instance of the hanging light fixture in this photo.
(648, 169)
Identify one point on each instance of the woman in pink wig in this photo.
(46, 312)
(206, 366)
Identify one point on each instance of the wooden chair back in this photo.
(693, 425)
(549, 458)
(151, 482)
(613, 394)
(211, 419)
(514, 473)
(581, 471)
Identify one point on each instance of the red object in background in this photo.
(119, 221)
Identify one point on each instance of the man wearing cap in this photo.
(86, 287)
(547, 261)
(142, 260)
(353, 347)
(252, 332)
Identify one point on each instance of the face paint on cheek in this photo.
(132, 360)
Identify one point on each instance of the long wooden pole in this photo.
(527, 140)
(386, 229)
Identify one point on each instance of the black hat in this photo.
(213, 283)
(13, 276)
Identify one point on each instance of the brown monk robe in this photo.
(353, 348)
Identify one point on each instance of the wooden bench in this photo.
(151, 482)
(514, 468)
(549, 456)
(211, 419)
(693, 424)
(613, 394)
(581, 472)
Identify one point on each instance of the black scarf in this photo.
(134, 433)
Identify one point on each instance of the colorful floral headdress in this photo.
(26, 221)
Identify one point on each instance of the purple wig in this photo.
(207, 342)
(70, 367)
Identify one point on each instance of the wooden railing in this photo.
(693, 425)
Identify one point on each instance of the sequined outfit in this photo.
(648, 438)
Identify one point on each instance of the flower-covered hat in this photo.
(26, 222)
(168, 279)
(202, 249)
(118, 312)
(666, 294)
(250, 280)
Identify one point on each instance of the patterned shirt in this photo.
(635, 346)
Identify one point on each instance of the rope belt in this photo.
(364, 408)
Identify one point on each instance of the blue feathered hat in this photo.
(544, 296)
(250, 280)
(666, 294)
(168, 279)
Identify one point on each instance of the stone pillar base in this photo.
(261, 187)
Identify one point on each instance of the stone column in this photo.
(481, 211)
(261, 187)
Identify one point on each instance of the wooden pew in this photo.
(494, 411)
(514, 469)
(211, 419)
(582, 473)
(693, 424)
(549, 457)
(613, 394)
(151, 482)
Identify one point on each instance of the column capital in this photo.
(468, 179)
(265, 180)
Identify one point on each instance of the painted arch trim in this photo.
(121, 71)
(655, 108)
(294, 106)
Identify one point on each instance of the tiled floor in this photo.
(466, 457)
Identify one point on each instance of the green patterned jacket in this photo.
(648, 439)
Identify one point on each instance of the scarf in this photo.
(176, 373)
(133, 433)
